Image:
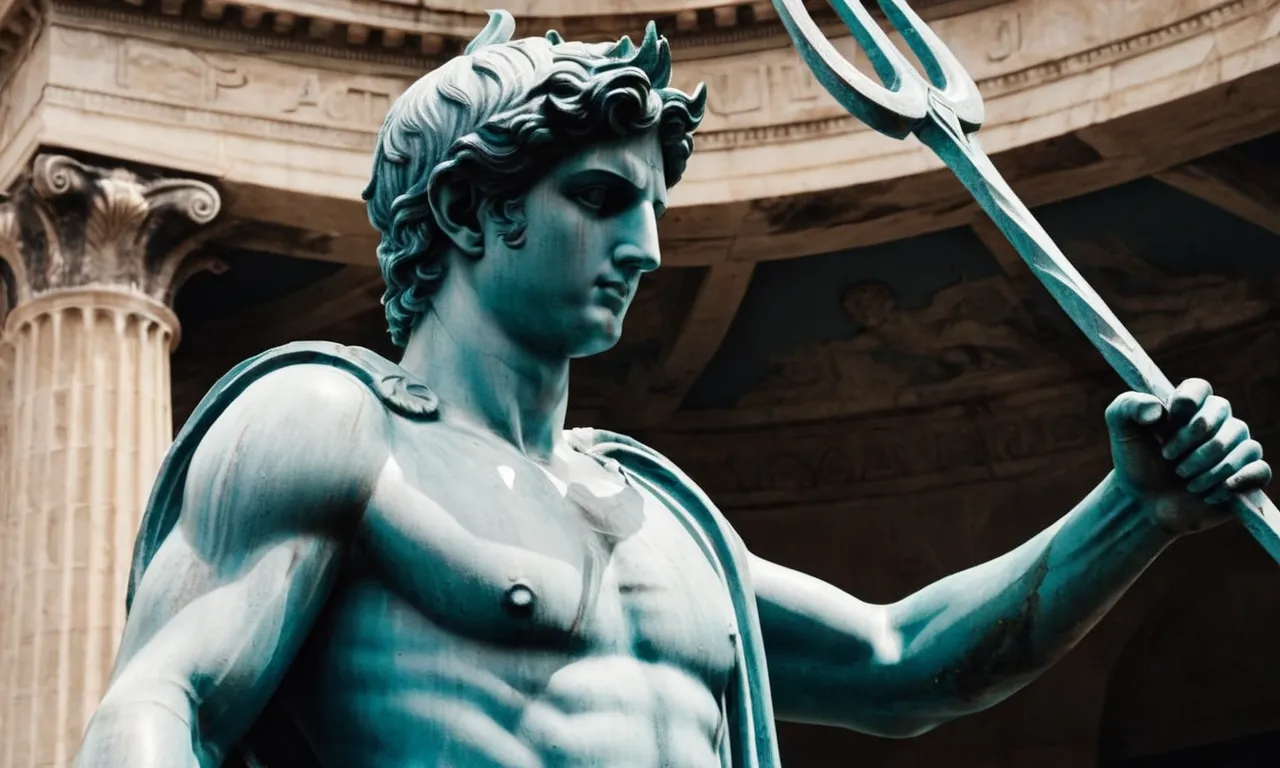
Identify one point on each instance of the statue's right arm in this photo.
(273, 497)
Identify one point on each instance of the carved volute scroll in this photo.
(70, 225)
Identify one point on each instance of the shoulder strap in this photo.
(391, 383)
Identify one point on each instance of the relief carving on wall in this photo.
(1007, 48)
(1004, 29)
(755, 97)
(224, 91)
(176, 73)
(982, 337)
(972, 337)
(341, 101)
(1000, 437)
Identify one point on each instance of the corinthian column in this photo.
(94, 257)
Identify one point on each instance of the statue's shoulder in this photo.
(391, 384)
(394, 387)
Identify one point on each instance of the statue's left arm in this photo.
(976, 637)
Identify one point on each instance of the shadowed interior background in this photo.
(838, 347)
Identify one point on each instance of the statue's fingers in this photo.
(1213, 451)
(1131, 413)
(1239, 457)
(1206, 422)
(1254, 475)
(1187, 400)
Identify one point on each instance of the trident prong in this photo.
(944, 110)
(902, 104)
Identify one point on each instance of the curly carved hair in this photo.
(498, 118)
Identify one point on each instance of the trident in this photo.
(943, 108)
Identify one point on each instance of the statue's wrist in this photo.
(1159, 514)
(1166, 516)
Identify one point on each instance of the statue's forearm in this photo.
(139, 735)
(978, 636)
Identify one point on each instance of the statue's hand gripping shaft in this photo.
(943, 108)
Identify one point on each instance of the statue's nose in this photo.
(635, 258)
(638, 248)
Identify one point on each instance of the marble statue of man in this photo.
(352, 562)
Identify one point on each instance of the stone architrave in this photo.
(93, 259)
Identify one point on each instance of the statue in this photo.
(348, 561)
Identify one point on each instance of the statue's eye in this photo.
(594, 197)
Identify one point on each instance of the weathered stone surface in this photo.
(91, 258)
(210, 101)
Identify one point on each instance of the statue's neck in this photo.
(487, 380)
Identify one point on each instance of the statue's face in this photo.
(592, 232)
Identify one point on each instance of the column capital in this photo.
(68, 225)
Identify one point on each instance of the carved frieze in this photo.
(178, 74)
(1006, 48)
(19, 23)
(984, 336)
(754, 97)
(977, 380)
(21, 77)
(126, 72)
(1010, 435)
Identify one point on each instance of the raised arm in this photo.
(273, 494)
(976, 637)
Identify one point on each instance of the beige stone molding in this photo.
(71, 226)
(442, 28)
(290, 133)
(18, 20)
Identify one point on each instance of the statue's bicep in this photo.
(211, 641)
(296, 453)
(270, 500)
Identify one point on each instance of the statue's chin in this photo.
(596, 346)
(599, 333)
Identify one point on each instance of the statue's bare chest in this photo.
(480, 544)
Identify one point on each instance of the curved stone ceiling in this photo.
(284, 108)
(1047, 69)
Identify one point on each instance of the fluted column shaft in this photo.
(91, 414)
(8, 528)
(95, 255)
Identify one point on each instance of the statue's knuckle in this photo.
(1198, 384)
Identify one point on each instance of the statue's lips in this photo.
(614, 292)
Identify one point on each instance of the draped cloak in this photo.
(275, 742)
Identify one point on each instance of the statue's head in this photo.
(533, 171)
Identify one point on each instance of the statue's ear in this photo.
(455, 205)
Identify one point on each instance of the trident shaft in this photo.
(943, 108)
